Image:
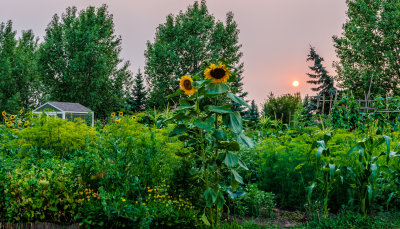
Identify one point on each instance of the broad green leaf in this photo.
(178, 130)
(243, 139)
(220, 201)
(220, 110)
(210, 195)
(235, 122)
(177, 93)
(243, 165)
(217, 88)
(203, 125)
(237, 99)
(231, 160)
(219, 134)
(230, 146)
(205, 220)
(184, 107)
(237, 177)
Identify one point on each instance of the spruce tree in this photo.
(252, 114)
(323, 81)
(137, 101)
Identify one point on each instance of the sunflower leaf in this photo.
(177, 93)
(220, 110)
(178, 130)
(217, 88)
(237, 99)
(235, 122)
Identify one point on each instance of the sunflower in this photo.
(21, 111)
(121, 113)
(133, 117)
(26, 123)
(117, 121)
(4, 113)
(218, 73)
(186, 85)
(113, 114)
(12, 117)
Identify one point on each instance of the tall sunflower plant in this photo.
(207, 123)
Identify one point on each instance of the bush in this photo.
(283, 107)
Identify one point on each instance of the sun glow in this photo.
(295, 83)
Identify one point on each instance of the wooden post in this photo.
(323, 104)
(330, 104)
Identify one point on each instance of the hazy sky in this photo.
(275, 34)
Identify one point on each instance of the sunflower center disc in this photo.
(217, 73)
(187, 84)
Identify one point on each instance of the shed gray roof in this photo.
(68, 106)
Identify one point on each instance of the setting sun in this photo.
(295, 83)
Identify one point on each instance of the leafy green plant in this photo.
(207, 123)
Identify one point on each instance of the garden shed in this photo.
(64, 110)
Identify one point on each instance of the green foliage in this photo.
(368, 48)
(283, 107)
(182, 44)
(18, 76)
(320, 77)
(252, 202)
(137, 101)
(56, 135)
(79, 60)
(345, 113)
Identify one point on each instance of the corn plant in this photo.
(363, 175)
(206, 122)
(327, 174)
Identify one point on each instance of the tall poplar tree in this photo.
(182, 44)
(368, 48)
(80, 60)
(18, 75)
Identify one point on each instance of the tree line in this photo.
(79, 60)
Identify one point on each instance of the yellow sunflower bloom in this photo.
(4, 113)
(121, 113)
(26, 123)
(218, 73)
(21, 111)
(133, 117)
(113, 114)
(117, 121)
(12, 117)
(186, 85)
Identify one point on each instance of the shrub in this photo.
(283, 107)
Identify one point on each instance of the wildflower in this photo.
(123, 200)
(21, 111)
(218, 73)
(186, 85)
(117, 121)
(121, 113)
(133, 117)
(113, 114)
(67, 194)
(12, 117)
(4, 113)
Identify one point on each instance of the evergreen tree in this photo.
(320, 77)
(252, 114)
(182, 44)
(137, 101)
(79, 60)
(18, 78)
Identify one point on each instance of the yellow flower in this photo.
(121, 113)
(123, 200)
(186, 85)
(133, 117)
(21, 111)
(26, 123)
(218, 73)
(12, 117)
(117, 121)
(113, 114)
(4, 113)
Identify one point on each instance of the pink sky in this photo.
(275, 34)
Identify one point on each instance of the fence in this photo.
(365, 105)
